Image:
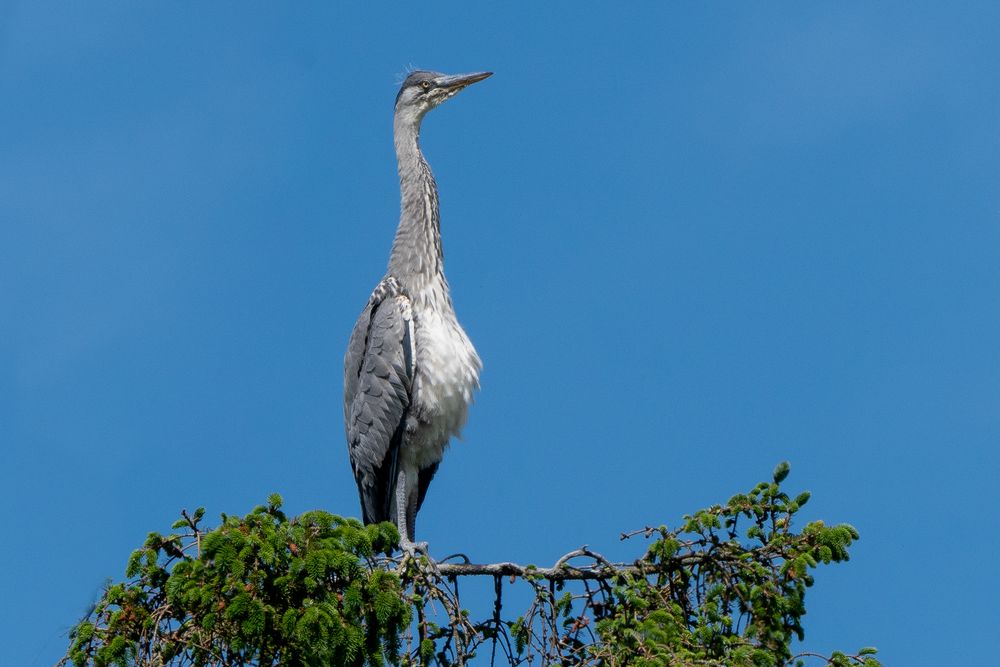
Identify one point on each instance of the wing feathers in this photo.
(377, 382)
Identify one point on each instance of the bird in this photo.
(410, 370)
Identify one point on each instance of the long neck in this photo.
(416, 259)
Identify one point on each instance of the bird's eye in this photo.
(426, 85)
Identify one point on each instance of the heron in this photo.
(410, 370)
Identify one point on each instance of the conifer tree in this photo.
(726, 587)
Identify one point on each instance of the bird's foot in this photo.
(411, 551)
(413, 548)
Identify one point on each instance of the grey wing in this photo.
(378, 371)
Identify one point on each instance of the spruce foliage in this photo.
(725, 588)
(729, 589)
(257, 590)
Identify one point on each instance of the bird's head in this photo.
(423, 90)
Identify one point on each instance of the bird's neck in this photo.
(417, 260)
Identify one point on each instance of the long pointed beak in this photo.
(458, 81)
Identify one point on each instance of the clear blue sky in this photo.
(688, 240)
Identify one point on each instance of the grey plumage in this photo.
(410, 370)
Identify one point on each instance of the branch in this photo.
(600, 569)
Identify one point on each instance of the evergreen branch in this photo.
(266, 589)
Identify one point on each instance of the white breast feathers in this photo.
(447, 375)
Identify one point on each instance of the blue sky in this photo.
(688, 240)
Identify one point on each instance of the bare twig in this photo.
(602, 569)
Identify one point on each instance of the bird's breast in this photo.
(447, 374)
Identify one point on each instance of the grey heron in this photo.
(410, 369)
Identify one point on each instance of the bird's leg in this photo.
(406, 519)
(411, 524)
(411, 515)
(406, 512)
